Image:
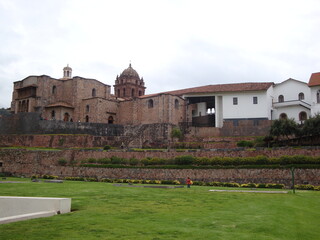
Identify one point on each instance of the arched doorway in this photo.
(302, 116)
(110, 120)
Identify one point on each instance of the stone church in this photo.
(78, 99)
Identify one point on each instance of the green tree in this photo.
(311, 126)
(176, 133)
(284, 128)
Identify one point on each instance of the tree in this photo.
(284, 128)
(311, 126)
(176, 133)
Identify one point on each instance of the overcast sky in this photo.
(172, 44)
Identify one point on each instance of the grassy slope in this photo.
(103, 211)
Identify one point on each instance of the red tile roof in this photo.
(232, 87)
(314, 79)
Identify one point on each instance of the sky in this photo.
(172, 44)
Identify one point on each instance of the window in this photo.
(54, 90)
(118, 92)
(176, 104)
(235, 123)
(255, 100)
(87, 108)
(302, 116)
(66, 117)
(53, 114)
(301, 96)
(281, 98)
(110, 120)
(132, 92)
(124, 92)
(235, 101)
(150, 103)
(87, 118)
(318, 96)
(283, 116)
(140, 93)
(94, 92)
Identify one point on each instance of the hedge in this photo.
(188, 160)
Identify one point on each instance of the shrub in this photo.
(249, 185)
(304, 187)
(62, 162)
(106, 180)
(35, 177)
(261, 185)
(106, 147)
(275, 185)
(91, 160)
(49, 177)
(117, 160)
(133, 161)
(245, 143)
(227, 184)
(74, 178)
(104, 161)
(184, 160)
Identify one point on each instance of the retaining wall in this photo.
(28, 163)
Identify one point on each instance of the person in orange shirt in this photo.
(189, 182)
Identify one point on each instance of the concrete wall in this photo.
(23, 208)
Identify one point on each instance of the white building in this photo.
(213, 105)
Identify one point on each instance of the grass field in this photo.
(103, 211)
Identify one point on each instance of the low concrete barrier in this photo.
(14, 209)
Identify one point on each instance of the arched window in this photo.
(87, 108)
(54, 90)
(132, 92)
(302, 116)
(110, 120)
(150, 103)
(318, 96)
(118, 92)
(281, 98)
(94, 92)
(283, 116)
(124, 92)
(140, 93)
(176, 104)
(301, 96)
(87, 118)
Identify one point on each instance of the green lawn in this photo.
(103, 211)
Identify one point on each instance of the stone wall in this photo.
(27, 163)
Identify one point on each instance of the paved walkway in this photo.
(248, 191)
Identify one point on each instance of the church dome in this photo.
(129, 73)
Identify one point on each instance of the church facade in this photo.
(88, 100)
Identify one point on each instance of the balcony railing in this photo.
(291, 103)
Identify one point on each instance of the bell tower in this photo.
(129, 84)
(67, 72)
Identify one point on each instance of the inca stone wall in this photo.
(27, 163)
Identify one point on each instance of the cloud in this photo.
(173, 44)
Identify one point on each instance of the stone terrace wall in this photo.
(30, 123)
(27, 163)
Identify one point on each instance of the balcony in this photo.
(291, 103)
